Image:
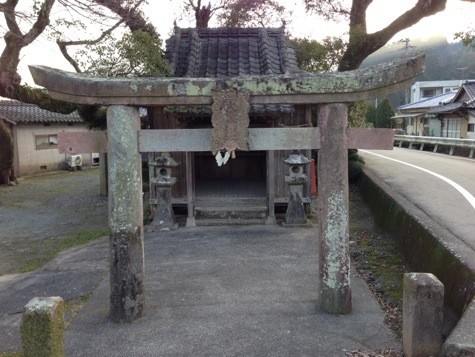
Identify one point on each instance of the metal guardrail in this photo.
(436, 142)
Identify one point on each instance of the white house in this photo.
(449, 115)
(416, 119)
(428, 89)
(458, 116)
(34, 132)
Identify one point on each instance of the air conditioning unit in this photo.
(73, 161)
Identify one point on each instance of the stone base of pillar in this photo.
(270, 221)
(126, 275)
(190, 222)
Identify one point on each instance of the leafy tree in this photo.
(357, 112)
(139, 44)
(137, 54)
(467, 38)
(361, 43)
(237, 13)
(314, 56)
(384, 112)
(372, 114)
(252, 13)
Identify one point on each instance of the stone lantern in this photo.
(296, 179)
(162, 183)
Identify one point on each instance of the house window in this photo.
(453, 128)
(471, 128)
(46, 141)
(427, 93)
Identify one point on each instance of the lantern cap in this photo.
(296, 159)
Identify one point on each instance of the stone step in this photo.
(231, 212)
(229, 222)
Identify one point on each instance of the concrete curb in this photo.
(444, 255)
(461, 341)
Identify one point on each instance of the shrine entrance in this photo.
(124, 142)
(241, 178)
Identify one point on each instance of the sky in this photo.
(458, 16)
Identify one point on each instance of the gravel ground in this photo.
(46, 207)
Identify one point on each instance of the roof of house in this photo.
(17, 112)
(230, 52)
(429, 102)
(469, 88)
(447, 108)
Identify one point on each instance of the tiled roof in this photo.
(470, 88)
(19, 112)
(230, 52)
(447, 108)
(429, 102)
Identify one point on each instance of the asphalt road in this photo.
(446, 193)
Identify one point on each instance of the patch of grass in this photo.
(15, 354)
(378, 259)
(47, 249)
(72, 307)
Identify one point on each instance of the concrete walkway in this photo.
(227, 291)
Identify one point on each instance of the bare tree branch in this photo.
(40, 24)
(133, 18)
(63, 45)
(422, 9)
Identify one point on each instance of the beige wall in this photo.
(417, 127)
(30, 160)
(471, 120)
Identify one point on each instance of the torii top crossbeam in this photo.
(305, 88)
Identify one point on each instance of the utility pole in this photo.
(406, 41)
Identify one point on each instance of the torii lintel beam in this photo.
(300, 88)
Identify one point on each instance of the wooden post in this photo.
(333, 217)
(270, 187)
(125, 215)
(190, 220)
(103, 173)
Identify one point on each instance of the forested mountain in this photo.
(444, 61)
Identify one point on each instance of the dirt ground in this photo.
(41, 212)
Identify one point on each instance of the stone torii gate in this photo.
(125, 141)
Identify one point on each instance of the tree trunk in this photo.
(361, 44)
(6, 154)
(202, 16)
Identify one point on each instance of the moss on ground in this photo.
(72, 307)
(46, 249)
(378, 258)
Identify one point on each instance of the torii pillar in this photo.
(333, 211)
(125, 215)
